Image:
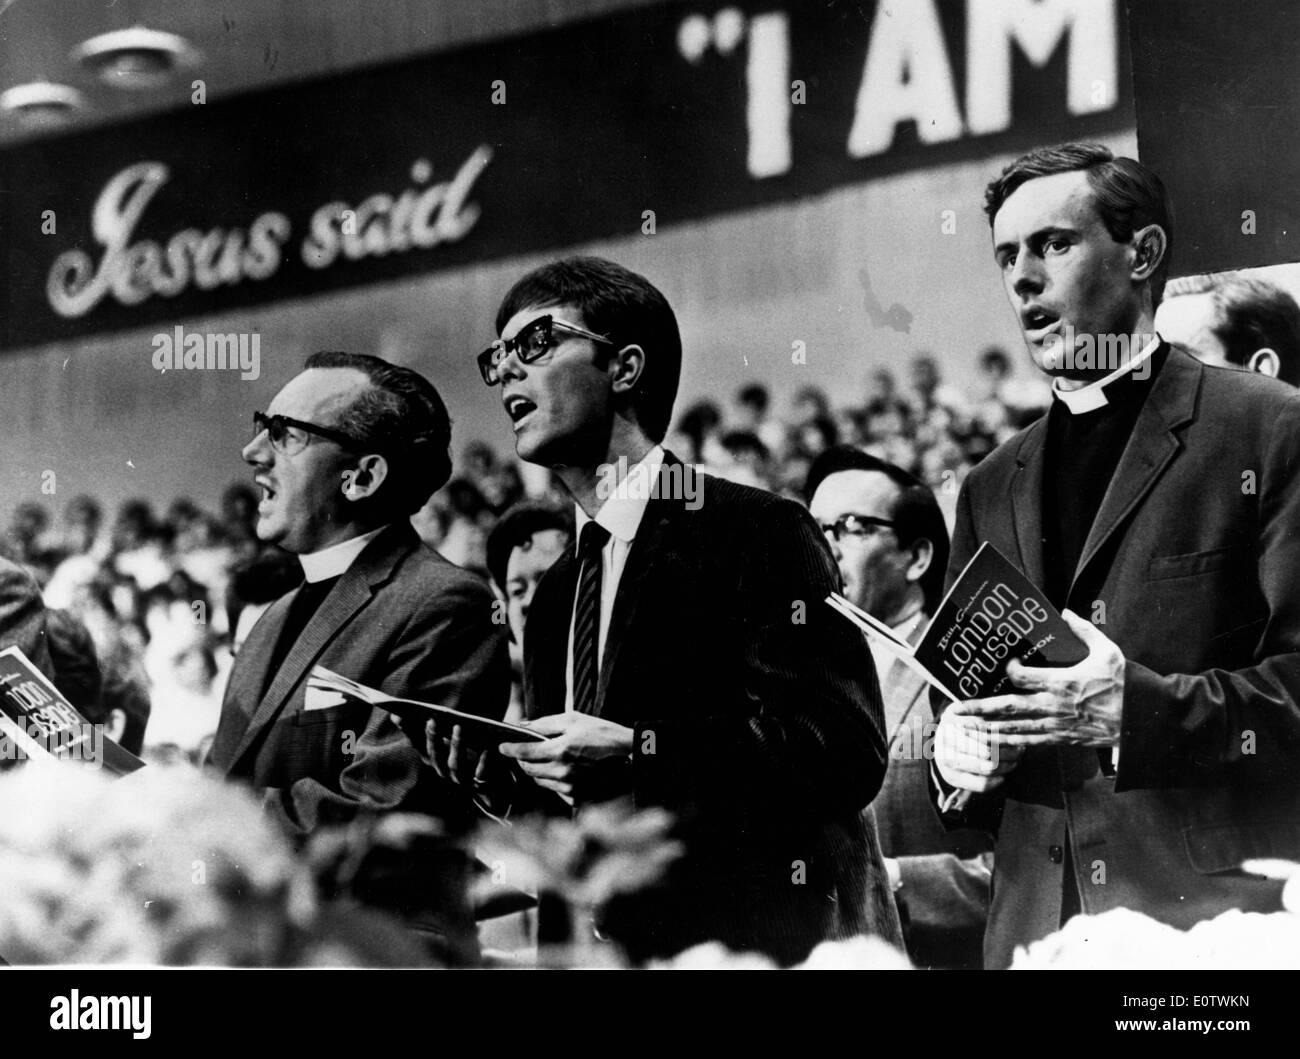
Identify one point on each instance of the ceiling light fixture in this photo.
(41, 103)
(135, 58)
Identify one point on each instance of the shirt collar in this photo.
(1093, 396)
(907, 626)
(629, 491)
(335, 560)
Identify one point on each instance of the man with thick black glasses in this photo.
(348, 450)
(682, 654)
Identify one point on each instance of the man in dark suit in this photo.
(888, 536)
(682, 654)
(351, 448)
(1158, 497)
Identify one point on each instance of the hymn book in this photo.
(37, 723)
(991, 614)
(326, 688)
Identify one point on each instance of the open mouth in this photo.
(1038, 321)
(518, 407)
(268, 492)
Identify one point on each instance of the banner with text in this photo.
(631, 123)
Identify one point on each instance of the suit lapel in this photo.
(353, 591)
(1027, 502)
(248, 676)
(1152, 445)
(546, 638)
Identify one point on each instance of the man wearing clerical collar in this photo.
(347, 452)
(1154, 504)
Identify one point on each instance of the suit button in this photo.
(1056, 853)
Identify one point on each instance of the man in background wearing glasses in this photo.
(888, 536)
(350, 448)
(682, 653)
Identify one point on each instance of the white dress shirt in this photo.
(621, 515)
(334, 560)
(883, 656)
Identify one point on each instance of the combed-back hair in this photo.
(1129, 196)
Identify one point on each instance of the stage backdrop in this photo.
(804, 182)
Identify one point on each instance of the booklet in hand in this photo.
(479, 732)
(991, 614)
(37, 723)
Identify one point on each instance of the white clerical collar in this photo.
(627, 491)
(335, 560)
(1093, 396)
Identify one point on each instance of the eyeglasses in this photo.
(860, 526)
(530, 344)
(289, 436)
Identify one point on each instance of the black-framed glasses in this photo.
(860, 526)
(530, 344)
(290, 435)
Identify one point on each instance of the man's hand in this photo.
(577, 758)
(1078, 706)
(450, 757)
(967, 754)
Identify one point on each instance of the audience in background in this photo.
(523, 544)
(163, 602)
(1234, 321)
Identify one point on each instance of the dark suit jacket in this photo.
(757, 720)
(401, 619)
(1193, 568)
(944, 899)
(22, 616)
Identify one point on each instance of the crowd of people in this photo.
(641, 595)
(163, 597)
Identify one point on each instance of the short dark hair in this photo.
(745, 443)
(403, 417)
(1252, 314)
(995, 356)
(754, 395)
(617, 302)
(916, 512)
(1128, 195)
(517, 526)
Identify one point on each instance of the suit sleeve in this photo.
(451, 653)
(22, 616)
(1181, 729)
(803, 734)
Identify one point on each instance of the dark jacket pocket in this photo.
(1223, 848)
(312, 718)
(1163, 567)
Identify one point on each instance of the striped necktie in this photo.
(586, 619)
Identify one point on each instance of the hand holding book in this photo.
(1015, 672)
(1080, 705)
